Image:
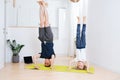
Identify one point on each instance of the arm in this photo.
(52, 61)
(87, 65)
(71, 63)
(35, 60)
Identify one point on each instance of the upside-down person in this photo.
(80, 62)
(46, 38)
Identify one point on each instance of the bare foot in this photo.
(40, 2)
(84, 19)
(74, 1)
(78, 18)
(45, 4)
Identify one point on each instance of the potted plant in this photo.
(15, 48)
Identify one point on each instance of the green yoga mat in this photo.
(59, 68)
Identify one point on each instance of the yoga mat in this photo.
(58, 68)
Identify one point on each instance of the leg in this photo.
(41, 28)
(83, 35)
(48, 34)
(84, 19)
(78, 34)
(43, 14)
(48, 31)
(45, 35)
(42, 18)
(43, 21)
(46, 18)
(41, 34)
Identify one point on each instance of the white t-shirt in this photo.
(80, 55)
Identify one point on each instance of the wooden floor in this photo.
(18, 72)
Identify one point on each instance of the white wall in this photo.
(26, 12)
(103, 39)
(29, 36)
(76, 9)
(74, 12)
(1, 34)
(26, 36)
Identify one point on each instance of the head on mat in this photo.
(47, 63)
(81, 66)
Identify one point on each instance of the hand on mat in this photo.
(69, 68)
(36, 67)
(88, 71)
(52, 67)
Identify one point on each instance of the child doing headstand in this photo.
(46, 38)
(80, 61)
